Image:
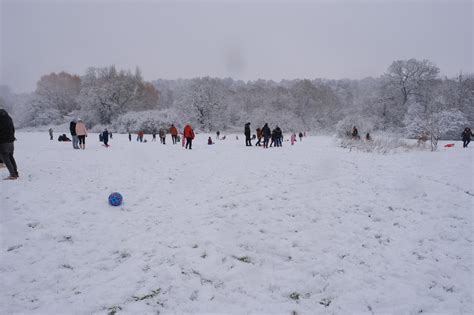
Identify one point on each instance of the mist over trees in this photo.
(409, 98)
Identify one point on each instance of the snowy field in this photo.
(310, 228)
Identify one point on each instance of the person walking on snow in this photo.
(105, 137)
(293, 139)
(278, 137)
(140, 136)
(218, 134)
(248, 141)
(72, 130)
(50, 133)
(466, 137)
(266, 133)
(7, 137)
(188, 133)
(162, 134)
(301, 136)
(81, 132)
(259, 136)
(174, 134)
(129, 137)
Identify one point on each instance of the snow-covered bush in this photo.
(434, 122)
(380, 143)
(148, 121)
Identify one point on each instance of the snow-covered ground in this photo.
(310, 228)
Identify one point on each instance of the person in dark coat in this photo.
(266, 133)
(105, 137)
(129, 137)
(248, 140)
(72, 130)
(63, 138)
(466, 137)
(355, 133)
(273, 137)
(301, 136)
(7, 137)
(278, 137)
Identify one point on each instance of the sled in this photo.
(449, 145)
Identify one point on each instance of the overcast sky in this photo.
(242, 40)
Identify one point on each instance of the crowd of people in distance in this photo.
(270, 137)
(265, 137)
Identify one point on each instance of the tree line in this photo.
(411, 97)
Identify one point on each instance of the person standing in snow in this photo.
(140, 136)
(7, 137)
(466, 137)
(188, 133)
(259, 136)
(174, 134)
(301, 136)
(355, 133)
(72, 130)
(162, 134)
(209, 141)
(129, 137)
(105, 137)
(50, 133)
(266, 133)
(153, 136)
(278, 136)
(293, 139)
(81, 132)
(248, 141)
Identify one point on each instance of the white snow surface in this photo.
(310, 228)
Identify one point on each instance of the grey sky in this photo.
(243, 40)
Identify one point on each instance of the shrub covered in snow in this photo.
(380, 143)
(148, 121)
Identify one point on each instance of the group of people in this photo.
(164, 131)
(270, 137)
(188, 135)
(354, 134)
(78, 131)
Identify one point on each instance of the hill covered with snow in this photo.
(309, 228)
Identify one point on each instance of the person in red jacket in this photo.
(188, 133)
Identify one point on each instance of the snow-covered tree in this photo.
(59, 92)
(107, 93)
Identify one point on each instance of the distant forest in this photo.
(409, 98)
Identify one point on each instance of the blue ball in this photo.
(115, 199)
